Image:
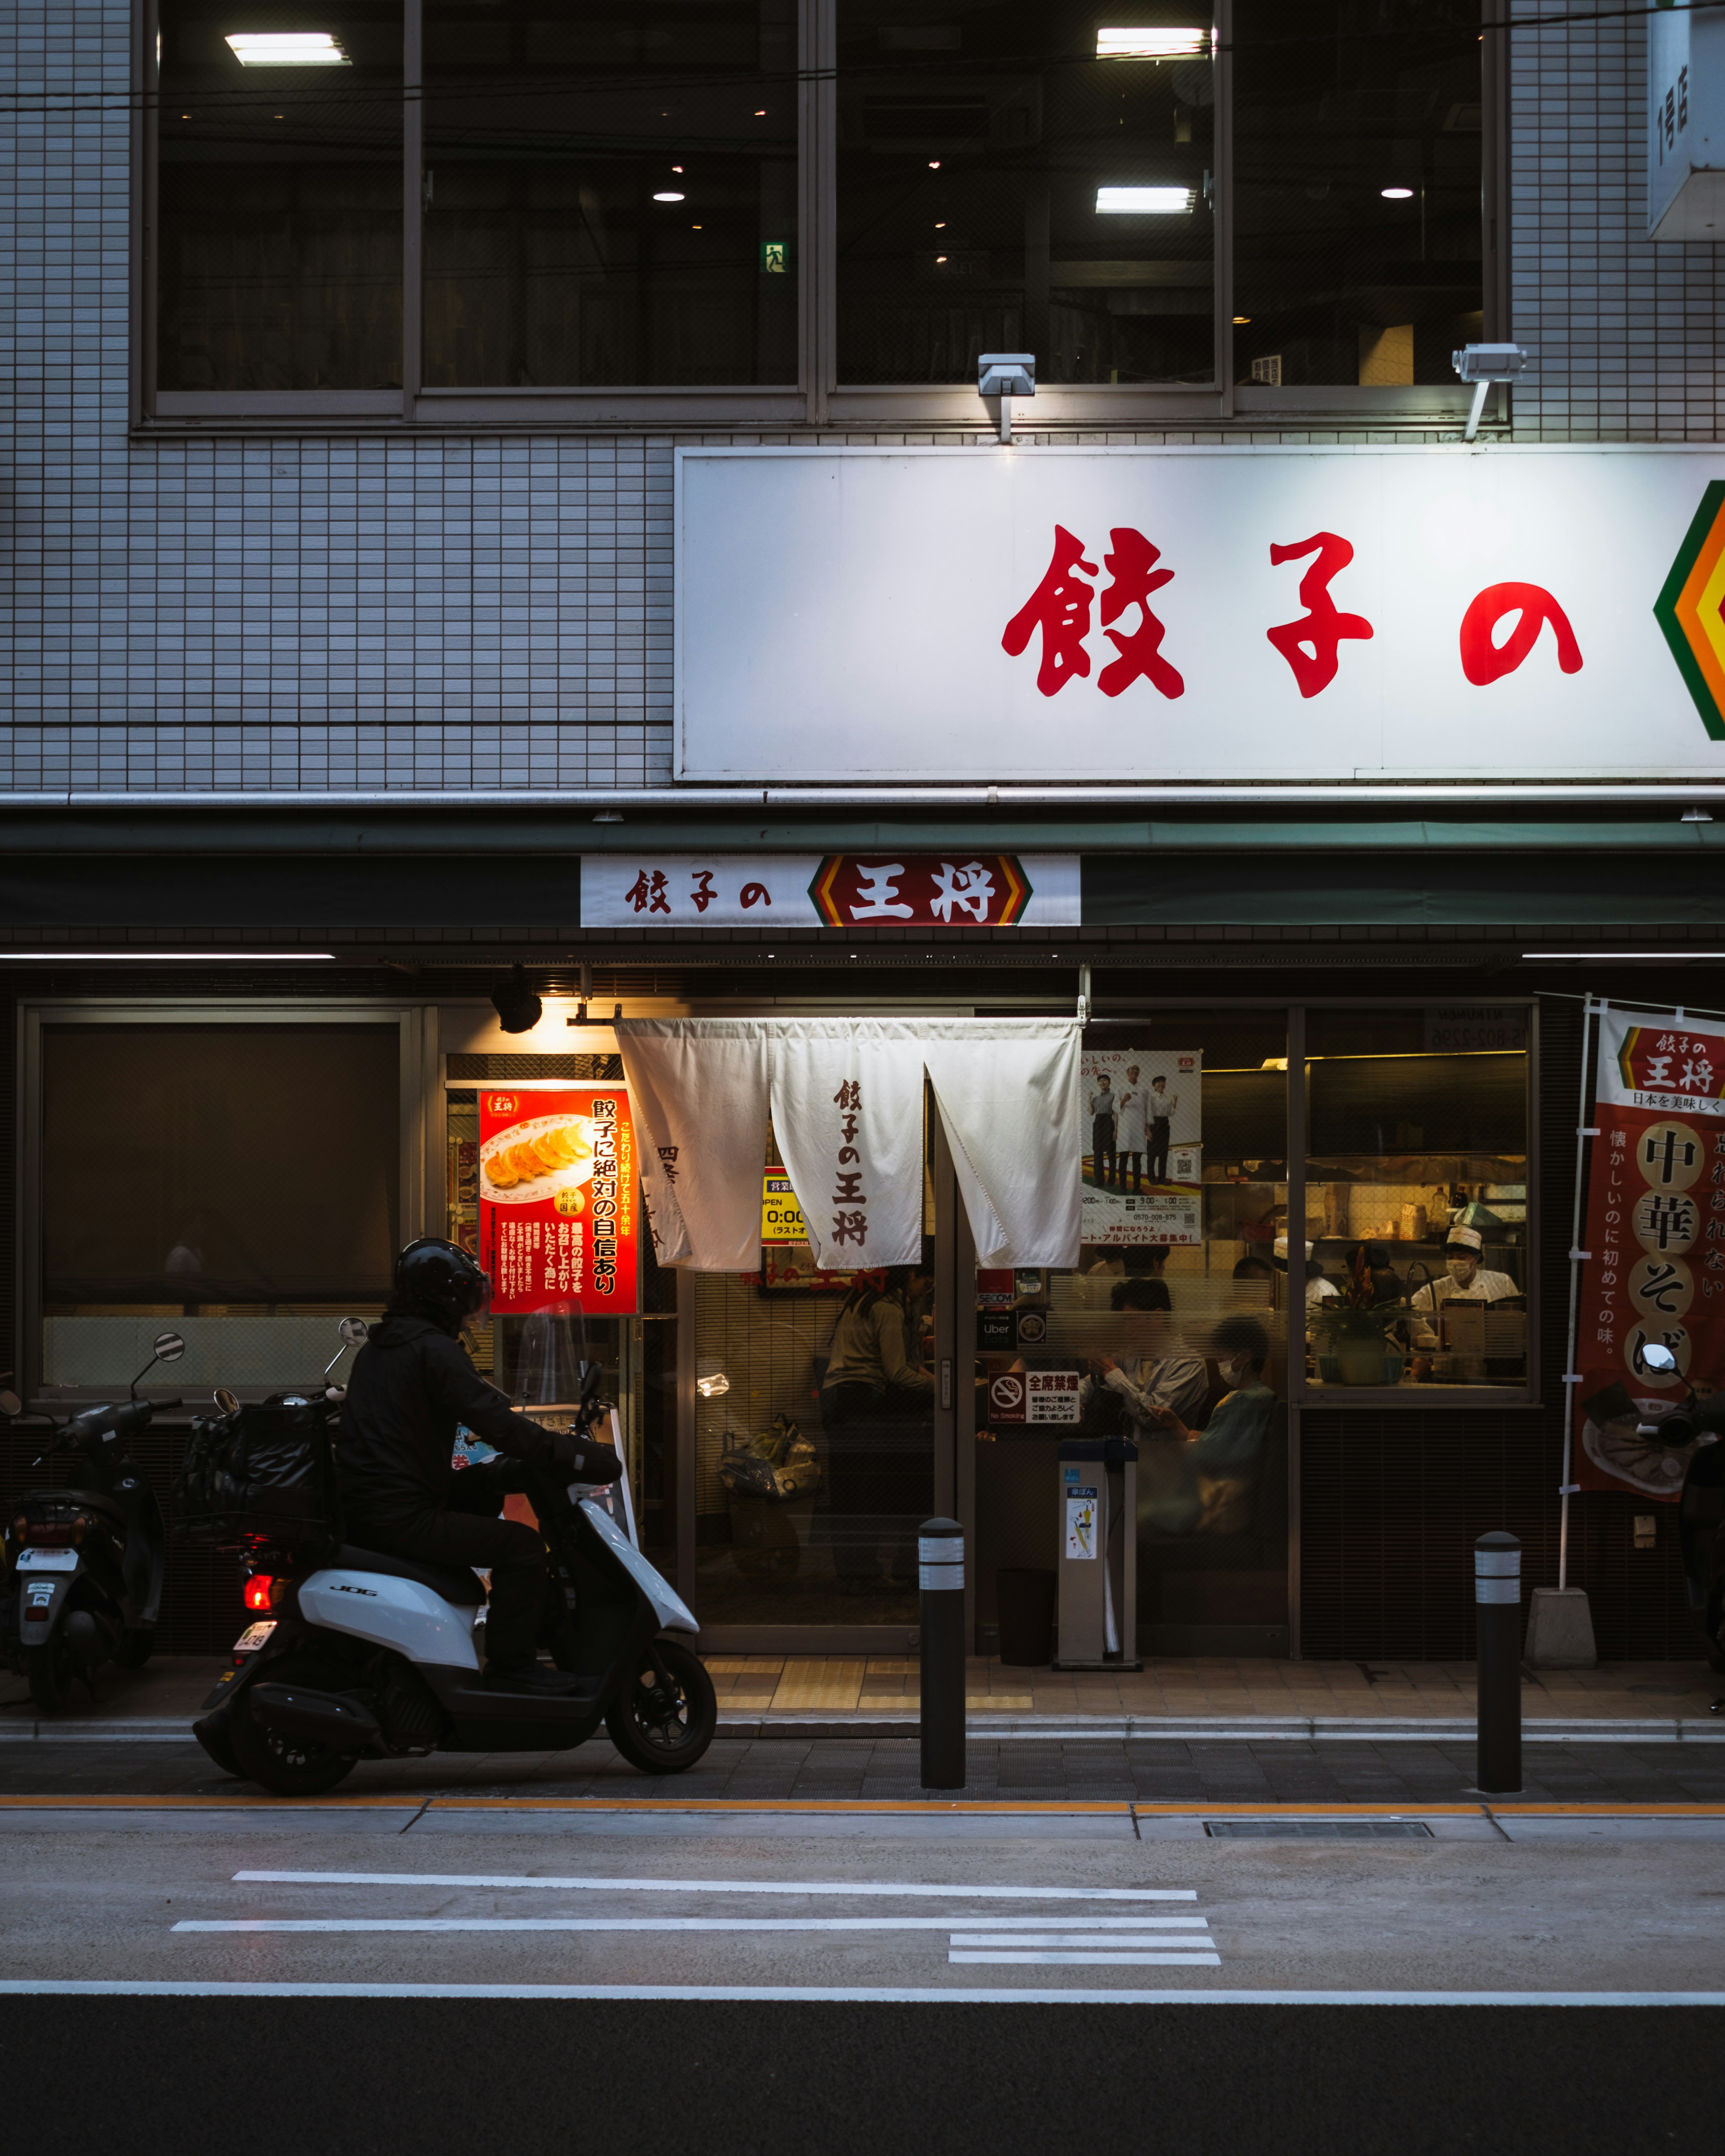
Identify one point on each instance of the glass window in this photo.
(1016, 178)
(279, 196)
(240, 1183)
(1172, 1330)
(1416, 1197)
(610, 192)
(1357, 220)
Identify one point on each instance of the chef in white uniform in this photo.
(1131, 1129)
(1466, 1281)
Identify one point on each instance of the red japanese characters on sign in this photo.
(558, 1219)
(1060, 610)
(1655, 1270)
(921, 890)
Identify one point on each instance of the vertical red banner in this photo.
(1655, 1274)
(557, 1200)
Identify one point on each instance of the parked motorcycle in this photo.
(354, 1655)
(87, 1559)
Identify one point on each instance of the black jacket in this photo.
(411, 1385)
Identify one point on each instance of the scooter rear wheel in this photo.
(289, 1766)
(661, 1732)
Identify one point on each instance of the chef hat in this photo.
(1280, 1252)
(1465, 1238)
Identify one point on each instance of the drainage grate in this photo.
(1317, 1829)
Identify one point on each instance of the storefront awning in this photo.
(845, 1096)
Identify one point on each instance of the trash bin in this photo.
(1024, 1604)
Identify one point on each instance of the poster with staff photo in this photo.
(1655, 1272)
(1144, 1153)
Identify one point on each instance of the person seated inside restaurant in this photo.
(1318, 1289)
(1196, 1481)
(1253, 1286)
(1155, 1369)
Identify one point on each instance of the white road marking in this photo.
(610, 1924)
(1137, 1937)
(1098, 1960)
(711, 1885)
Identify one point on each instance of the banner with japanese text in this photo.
(1655, 1271)
(557, 1218)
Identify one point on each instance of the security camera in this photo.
(1489, 362)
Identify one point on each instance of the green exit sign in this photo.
(775, 257)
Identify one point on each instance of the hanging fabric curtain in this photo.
(846, 1100)
(699, 1088)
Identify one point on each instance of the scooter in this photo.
(354, 1655)
(87, 1561)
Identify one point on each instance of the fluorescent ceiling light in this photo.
(1397, 194)
(162, 957)
(1645, 957)
(286, 48)
(668, 196)
(1145, 202)
(1150, 44)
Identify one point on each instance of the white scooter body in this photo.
(417, 1622)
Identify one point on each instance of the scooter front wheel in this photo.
(664, 1729)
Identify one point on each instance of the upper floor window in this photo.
(412, 207)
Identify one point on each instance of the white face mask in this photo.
(1461, 1270)
(1232, 1374)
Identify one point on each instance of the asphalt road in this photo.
(200, 1980)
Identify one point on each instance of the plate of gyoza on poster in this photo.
(529, 1163)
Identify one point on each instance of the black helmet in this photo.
(438, 1280)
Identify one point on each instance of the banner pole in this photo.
(1571, 1375)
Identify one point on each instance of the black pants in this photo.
(468, 1532)
(1158, 1148)
(1103, 1158)
(1132, 1169)
(880, 1481)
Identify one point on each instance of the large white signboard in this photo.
(1686, 125)
(1041, 613)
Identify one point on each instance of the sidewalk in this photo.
(811, 1695)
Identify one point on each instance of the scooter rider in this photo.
(412, 1383)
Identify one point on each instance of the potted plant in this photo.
(1353, 1331)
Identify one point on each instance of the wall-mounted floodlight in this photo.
(1483, 364)
(1006, 375)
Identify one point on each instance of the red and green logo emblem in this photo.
(1691, 609)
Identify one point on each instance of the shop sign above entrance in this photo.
(893, 889)
(1193, 614)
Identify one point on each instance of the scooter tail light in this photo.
(259, 1591)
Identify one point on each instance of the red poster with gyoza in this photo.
(558, 1200)
(1655, 1271)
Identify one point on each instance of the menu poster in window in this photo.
(1143, 1158)
(1655, 1272)
(557, 1202)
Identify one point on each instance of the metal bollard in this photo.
(1497, 1617)
(939, 1554)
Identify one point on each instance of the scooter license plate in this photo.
(48, 1560)
(253, 1637)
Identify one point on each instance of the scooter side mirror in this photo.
(1658, 1360)
(10, 1405)
(169, 1347)
(355, 1331)
(227, 1401)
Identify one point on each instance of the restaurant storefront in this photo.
(238, 1147)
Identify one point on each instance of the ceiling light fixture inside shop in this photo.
(286, 48)
(164, 958)
(1150, 44)
(1145, 202)
(518, 1010)
(669, 195)
(1397, 194)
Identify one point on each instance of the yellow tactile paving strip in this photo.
(1211, 1687)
